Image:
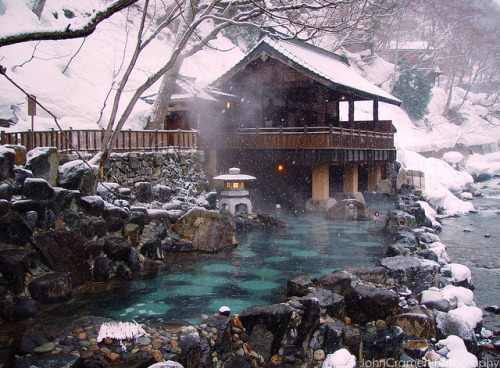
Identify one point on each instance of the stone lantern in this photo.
(234, 196)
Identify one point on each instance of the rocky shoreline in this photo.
(414, 308)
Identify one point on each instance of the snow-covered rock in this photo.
(470, 315)
(340, 359)
(463, 295)
(457, 273)
(453, 354)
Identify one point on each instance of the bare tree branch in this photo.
(68, 33)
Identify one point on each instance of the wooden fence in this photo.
(90, 140)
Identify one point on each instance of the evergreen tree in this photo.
(413, 88)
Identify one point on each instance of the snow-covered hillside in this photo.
(72, 78)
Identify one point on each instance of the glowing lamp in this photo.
(228, 105)
(280, 168)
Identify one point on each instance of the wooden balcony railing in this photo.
(90, 140)
(307, 138)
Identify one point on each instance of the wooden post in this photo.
(351, 112)
(350, 177)
(321, 181)
(374, 176)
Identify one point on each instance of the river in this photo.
(474, 240)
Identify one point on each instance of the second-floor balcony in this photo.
(358, 136)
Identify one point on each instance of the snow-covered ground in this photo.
(73, 77)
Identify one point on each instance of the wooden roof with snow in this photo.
(325, 67)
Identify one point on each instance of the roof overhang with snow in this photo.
(325, 67)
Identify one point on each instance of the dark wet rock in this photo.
(93, 205)
(49, 220)
(238, 362)
(428, 254)
(115, 217)
(223, 325)
(31, 339)
(433, 298)
(26, 205)
(420, 217)
(20, 308)
(38, 188)
(352, 338)
(493, 309)
(5, 191)
(78, 175)
(7, 157)
(4, 206)
(64, 251)
(333, 336)
(376, 275)
(118, 249)
(333, 303)
(161, 193)
(369, 303)
(178, 247)
(15, 230)
(93, 228)
(108, 191)
(20, 175)
(338, 282)
(66, 200)
(133, 261)
(208, 231)
(397, 249)
(382, 343)
(261, 340)
(309, 321)
(51, 288)
(414, 273)
(14, 264)
(47, 361)
(143, 192)
(123, 272)
(31, 218)
(480, 178)
(94, 248)
(417, 323)
(190, 344)
(138, 216)
(73, 221)
(43, 163)
(397, 220)
(276, 318)
(153, 249)
(102, 270)
(299, 285)
(406, 237)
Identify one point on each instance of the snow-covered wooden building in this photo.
(289, 118)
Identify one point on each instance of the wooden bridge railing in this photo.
(90, 140)
(308, 138)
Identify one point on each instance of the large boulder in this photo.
(64, 251)
(20, 308)
(416, 274)
(417, 322)
(397, 220)
(78, 175)
(43, 163)
(7, 157)
(14, 264)
(15, 230)
(275, 318)
(51, 288)
(38, 189)
(208, 231)
(382, 342)
(369, 303)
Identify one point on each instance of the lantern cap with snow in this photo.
(234, 196)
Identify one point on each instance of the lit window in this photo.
(228, 105)
(228, 185)
(235, 185)
(280, 168)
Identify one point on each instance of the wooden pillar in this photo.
(212, 163)
(350, 177)
(321, 181)
(351, 111)
(321, 106)
(375, 115)
(374, 176)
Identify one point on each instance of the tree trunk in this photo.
(160, 107)
(38, 7)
